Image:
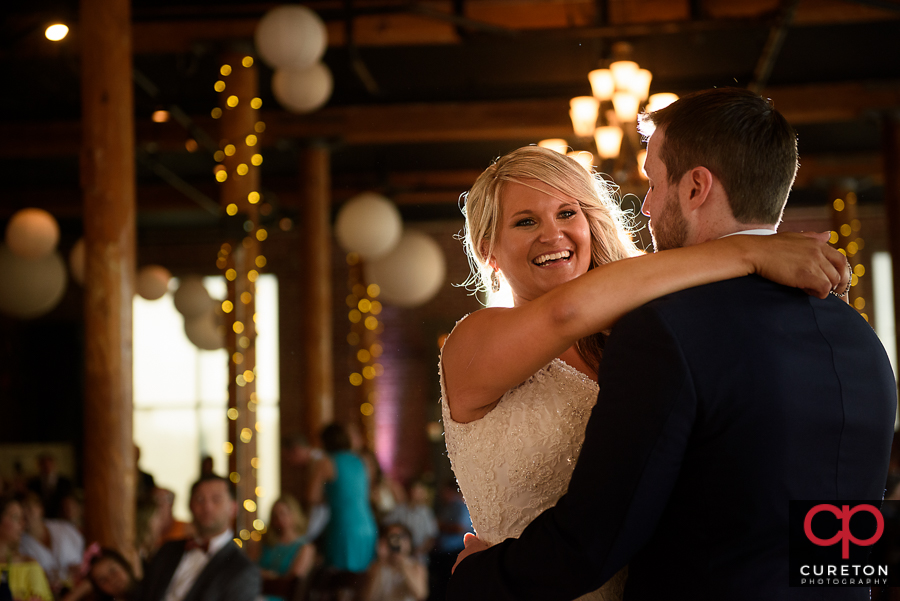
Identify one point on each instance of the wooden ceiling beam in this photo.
(404, 187)
(394, 23)
(442, 122)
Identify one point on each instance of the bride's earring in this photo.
(495, 282)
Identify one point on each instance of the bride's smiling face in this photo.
(543, 239)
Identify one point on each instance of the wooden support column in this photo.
(108, 182)
(241, 260)
(316, 312)
(848, 227)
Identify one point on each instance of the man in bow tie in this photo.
(209, 567)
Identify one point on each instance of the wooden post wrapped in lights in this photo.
(240, 260)
(846, 236)
(369, 227)
(363, 338)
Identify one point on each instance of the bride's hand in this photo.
(473, 545)
(803, 261)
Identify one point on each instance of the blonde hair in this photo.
(609, 226)
(271, 537)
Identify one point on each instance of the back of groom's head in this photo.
(740, 138)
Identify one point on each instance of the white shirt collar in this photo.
(755, 232)
(219, 541)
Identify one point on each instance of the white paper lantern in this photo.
(32, 233)
(76, 261)
(291, 37)
(412, 273)
(153, 282)
(368, 224)
(302, 91)
(30, 287)
(206, 331)
(191, 298)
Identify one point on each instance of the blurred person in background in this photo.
(51, 486)
(55, 544)
(453, 523)
(148, 530)
(112, 577)
(106, 576)
(342, 480)
(285, 550)
(418, 516)
(396, 575)
(21, 578)
(170, 528)
(210, 566)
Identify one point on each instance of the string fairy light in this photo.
(365, 329)
(241, 262)
(846, 236)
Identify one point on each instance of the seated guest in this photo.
(107, 577)
(145, 481)
(285, 551)
(51, 486)
(148, 526)
(396, 574)
(23, 578)
(209, 567)
(112, 577)
(171, 528)
(55, 544)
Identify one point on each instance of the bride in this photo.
(518, 384)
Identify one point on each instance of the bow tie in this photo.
(195, 544)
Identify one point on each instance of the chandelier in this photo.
(609, 115)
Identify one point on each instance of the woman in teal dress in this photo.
(342, 481)
(285, 552)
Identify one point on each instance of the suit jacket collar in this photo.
(210, 571)
(167, 570)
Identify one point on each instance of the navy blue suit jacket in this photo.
(717, 406)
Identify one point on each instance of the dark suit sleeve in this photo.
(246, 586)
(159, 572)
(635, 440)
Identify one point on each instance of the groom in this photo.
(718, 405)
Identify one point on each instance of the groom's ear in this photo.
(697, 185)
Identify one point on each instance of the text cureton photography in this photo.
(844, 543)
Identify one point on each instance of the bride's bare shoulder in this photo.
(467, 335)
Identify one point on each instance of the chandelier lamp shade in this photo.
(608, 139)
(660, 101)
(641, 159)
(602, 84)
(626, 106)
(583, 157)
(557, 144)
(584, 111)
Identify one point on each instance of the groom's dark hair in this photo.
(740, 138)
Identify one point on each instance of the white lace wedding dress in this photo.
(517, 460)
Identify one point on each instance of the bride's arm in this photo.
(496, 349)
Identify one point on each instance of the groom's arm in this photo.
(632, 453)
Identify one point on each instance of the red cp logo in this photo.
(844, 514)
